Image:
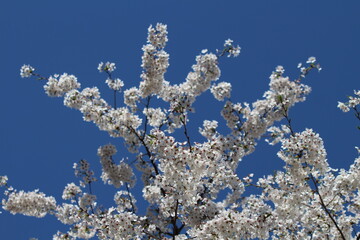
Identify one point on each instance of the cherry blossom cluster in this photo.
(306, 69)
(82, 169)
(319, 202)
(351, 104)
(58, 85)
(155, 61)
(114, 174)
(193, 189)
(229, 49)
(115, 84)
(106, 67)
(32, 203)
(221, 90)
(3, 181)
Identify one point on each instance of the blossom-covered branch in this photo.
(193, 189)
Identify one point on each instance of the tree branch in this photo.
(325, 208)
(183, 121)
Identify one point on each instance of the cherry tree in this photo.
(184, 181)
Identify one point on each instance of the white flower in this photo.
(231, 49)
(353, 101)
(155, 116)
(115, 84)
(319, 68)
(3, 180)
(234, 51)
(57, 86)
(304, 148)
(221, 91)
(106, 67)
(29, 203)
(131, 97)
(209, 128)
(204, 72)
(357, 149)
(26, 71)
(280, 69)
(107, 150)
(114, 174)
(343, 107)
(277, 134)
(82, 230)
(228, 42)
(303, 70)
(68, 213)
(87, 200)
(155, 61)
(248, 179)
(125, 201)
(158, 36)
(83, 170)
(311, 60)
(71, 191)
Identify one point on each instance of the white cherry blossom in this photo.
(26, 71)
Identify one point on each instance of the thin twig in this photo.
(39, 76)
(176, 230)
(325, 208)
(114, 99)
(131, 201)
(146, 118)
(183, 121)
(286, 115)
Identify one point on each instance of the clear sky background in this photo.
(40, 139)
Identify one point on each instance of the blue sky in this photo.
(41, 139)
